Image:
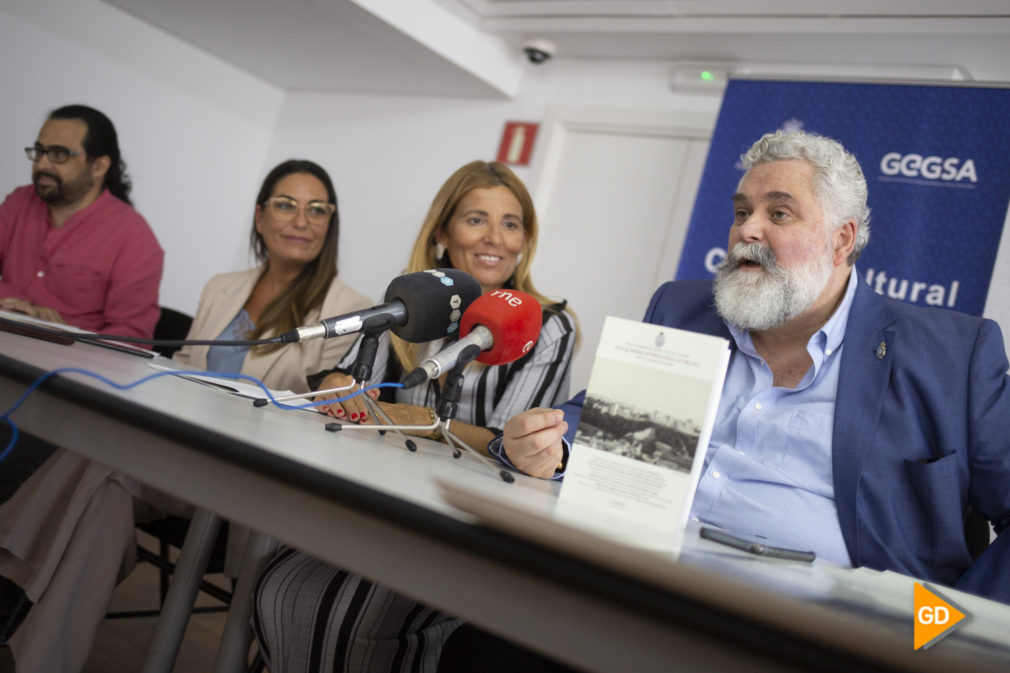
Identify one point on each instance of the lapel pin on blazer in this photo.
(881, 350)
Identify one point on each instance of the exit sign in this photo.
(517, 143)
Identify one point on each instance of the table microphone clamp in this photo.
(446, 409)
(448, 406)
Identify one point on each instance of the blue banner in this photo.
(937, 164)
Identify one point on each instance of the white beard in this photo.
(760, 300)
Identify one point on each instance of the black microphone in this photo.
(498, 327)
(419, 307)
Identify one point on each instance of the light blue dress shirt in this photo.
(768, 468)
(229, 359)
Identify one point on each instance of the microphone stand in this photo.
(361, 372)
(446, 409)
(448, 406)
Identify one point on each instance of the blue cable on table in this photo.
(5, 417)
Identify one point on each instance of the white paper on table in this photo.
(228, 385)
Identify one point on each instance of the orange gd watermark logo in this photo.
(935, 617)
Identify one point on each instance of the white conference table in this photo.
(365, 503)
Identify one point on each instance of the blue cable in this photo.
(5, 417)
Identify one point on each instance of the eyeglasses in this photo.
(285, 209)
(57, 153)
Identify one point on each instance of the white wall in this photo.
(388, 155)
(194, 130)
(198, 134)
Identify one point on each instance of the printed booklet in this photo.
(640, 446)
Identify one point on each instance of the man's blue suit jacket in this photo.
(921, 432)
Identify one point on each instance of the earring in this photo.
(439, 250)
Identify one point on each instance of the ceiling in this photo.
(474, 47)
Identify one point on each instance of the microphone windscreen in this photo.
(514, 319)
(435, 300)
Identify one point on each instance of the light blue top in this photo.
(768, 468)
(229, 359)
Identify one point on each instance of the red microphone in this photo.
(498, 327)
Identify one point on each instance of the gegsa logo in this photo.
(951, 169)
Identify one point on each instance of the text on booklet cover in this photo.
(640, 445)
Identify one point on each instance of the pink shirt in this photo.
(101, 269)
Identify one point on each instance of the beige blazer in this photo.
(282, 369)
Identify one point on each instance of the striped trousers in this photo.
(311, 617)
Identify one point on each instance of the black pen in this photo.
(756, 547)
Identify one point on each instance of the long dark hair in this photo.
(100, 141)
(307, 291)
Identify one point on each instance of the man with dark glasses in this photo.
(72, 248)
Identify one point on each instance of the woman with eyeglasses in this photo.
(311, 616)
(294, 237)
(67, 535)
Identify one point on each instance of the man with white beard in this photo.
(851, 424)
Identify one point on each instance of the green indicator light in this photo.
(707, 76)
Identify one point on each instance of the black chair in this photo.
(172, 325)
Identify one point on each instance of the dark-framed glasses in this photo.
(285, 209)
(57, 153)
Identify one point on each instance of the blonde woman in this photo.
(481, 221)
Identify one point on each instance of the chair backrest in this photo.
(172, 325)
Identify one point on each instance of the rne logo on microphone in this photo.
(510, 299)
(931, 168)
